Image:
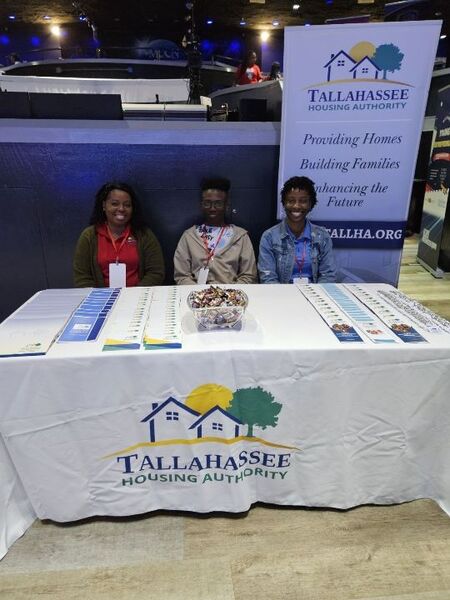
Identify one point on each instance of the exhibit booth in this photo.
(121, 402)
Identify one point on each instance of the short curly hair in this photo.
(300, 183)
(215, 183)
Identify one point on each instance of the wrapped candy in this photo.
(216, 307)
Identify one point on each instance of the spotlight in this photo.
(242, 22)
(443, 36)
(209, 21)
(12, 17)
(275, 23)
(47, 18)
(55, 30)
(295, 6)
(264, 35)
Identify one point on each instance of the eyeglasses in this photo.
(213, 203)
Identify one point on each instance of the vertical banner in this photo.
(353, 105)
(436, 190)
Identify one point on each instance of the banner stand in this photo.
(433, 252)
(354, 100)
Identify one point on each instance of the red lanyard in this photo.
(301, 262)
(113, 241)
(210, 251)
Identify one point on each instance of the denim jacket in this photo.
(277, 255)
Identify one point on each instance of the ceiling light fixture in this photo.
(12, 17)
(275, 23)
(242, 22)
(443, 36)
(55, 30)
(264, 35)
(47, 18)
(295, 6)
(209, 21)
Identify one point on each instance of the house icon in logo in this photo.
(173, 420)
(339, 66)
(217, 422)
(369, 63)
(365, 68)
(211, 414)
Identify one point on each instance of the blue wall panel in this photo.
(48, 192)
(22, 261)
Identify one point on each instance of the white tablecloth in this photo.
(317, 423)
(16, 512)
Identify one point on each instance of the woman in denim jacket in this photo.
(296, 250)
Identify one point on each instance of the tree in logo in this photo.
(254, 406)
(388, 58)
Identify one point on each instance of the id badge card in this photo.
(202, 275)
(301, 280)
(117, 275)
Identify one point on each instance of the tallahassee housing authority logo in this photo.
(365, 69)
(224, 423)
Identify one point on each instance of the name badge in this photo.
(301, 280)
(202, 275)
(117, 275)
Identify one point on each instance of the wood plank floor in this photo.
(418, 283)
(368, 553)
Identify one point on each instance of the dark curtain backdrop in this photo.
(48, 192)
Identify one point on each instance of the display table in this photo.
(16, 512)
(284, 408)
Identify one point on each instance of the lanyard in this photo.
(113, 241)
(210, 251)
(300, 263)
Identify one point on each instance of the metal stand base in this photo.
(437, 272)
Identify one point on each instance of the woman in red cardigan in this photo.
(117, 249)
(248, 71)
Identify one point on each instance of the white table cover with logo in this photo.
(121, 433)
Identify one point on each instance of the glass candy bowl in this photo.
(216, 307)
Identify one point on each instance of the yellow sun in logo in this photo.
(362, 49)
(205, 396)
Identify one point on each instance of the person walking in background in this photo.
(275, 72)
(14, 59)
(296, 250)
(248, 71)
(214, 251)
(117, 249)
